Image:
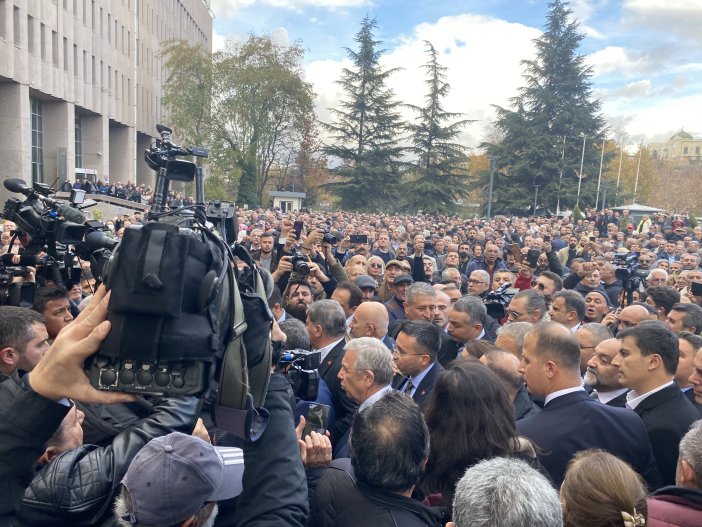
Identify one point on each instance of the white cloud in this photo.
(483, 56)
(218, 41)
(616, 59)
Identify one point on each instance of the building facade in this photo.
(680, 146)
(81, 83)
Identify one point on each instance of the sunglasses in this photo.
(376, 266)
(539, 286)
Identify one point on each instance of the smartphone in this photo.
(547, 237)
(297, 227)
(533, 257)
(516, 252)
(696, 288)
(317, 419)
(592, 239)
(358, 238)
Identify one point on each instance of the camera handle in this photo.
(160, 194)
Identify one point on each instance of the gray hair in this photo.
(329, 315)
(373, 355)
(656, 270)
(484, 275)
(473, 307)
(534, 301)
(296, 333)
(691, 450)
(599, 332)
(418, 289)
(505, 492)
(515, 330)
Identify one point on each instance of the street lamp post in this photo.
(580, 174)
(492, 182)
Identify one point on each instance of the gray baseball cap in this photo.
(171, 478)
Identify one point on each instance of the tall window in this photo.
(79, 141)
(37, 142)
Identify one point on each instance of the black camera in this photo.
(628, 271)
(496, 302)
(300, 264)
(19, 294)
(329, 238)
(300, 366)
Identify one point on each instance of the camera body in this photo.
(300, 263)
(496, 302)
(329, 238)
(301, 367)
(628, 271)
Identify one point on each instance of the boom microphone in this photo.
(18, 186)
(71, 214)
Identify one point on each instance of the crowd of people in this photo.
(535, 371)
(130, 191)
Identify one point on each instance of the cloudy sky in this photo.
(646, 55)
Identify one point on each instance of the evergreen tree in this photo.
(366, 130)
(556, 102)
(437, 178)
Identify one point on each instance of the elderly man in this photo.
(506, 366)
(519, 494)
(526, 306)
(589, 336)
(365, 375)
(371, 320)
(681, 504)
(510, 337)
(479, 283)
(396, 305)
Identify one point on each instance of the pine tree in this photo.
(556, 102)
(366, 130)
(438, 177)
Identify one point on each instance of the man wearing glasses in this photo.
(479, 283)
(526, 306)
(414, 357)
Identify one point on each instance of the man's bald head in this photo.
(370, 320)
(632, 315)
(506, 367)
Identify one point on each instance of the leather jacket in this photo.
(78, 486)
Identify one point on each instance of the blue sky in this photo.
(646, 55)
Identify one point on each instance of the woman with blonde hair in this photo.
(376, 268)
(601, 490)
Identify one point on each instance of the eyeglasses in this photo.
(476, 282)
(376, 266)
(515, 314)
(539, 285)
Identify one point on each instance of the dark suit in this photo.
(523, 405)
(690, 394)
(343, 406)
(667, 415)
(396, 310)
(448, 349)
(619, 401)
(423, 391)
(574, 422)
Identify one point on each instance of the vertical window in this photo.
(76, 69)
(3, 6)
(42, 41)
(54, 48)
(94, 71)
(30, 34)
(65, 54)
(685, 151)
(697, 150)
(16, 26)
(79, 141)
(37, 141)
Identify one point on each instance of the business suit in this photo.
(574, 422)
(343, 406)
(448, 350)
(690, 395)
(667, 415)
(523, 406)
(618, 402)
(423, 391)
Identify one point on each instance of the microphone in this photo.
(99, 240)
(18, 186)
(71, 214)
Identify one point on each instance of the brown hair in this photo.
(597, 488)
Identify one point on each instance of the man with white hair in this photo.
(657, 277)
(505, 492)
(365, 375)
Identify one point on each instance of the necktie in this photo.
(408, 387)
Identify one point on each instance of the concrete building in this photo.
(680, 146)
(81, 83)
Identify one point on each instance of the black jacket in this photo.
(667, 415)
(339, 502)
(78, 486)
(27, 421)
